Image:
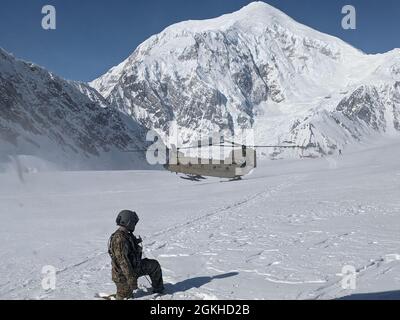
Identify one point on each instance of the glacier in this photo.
(284, 232)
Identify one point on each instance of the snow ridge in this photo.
(67, 123)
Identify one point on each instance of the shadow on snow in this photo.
(388, 295)
(191, 283)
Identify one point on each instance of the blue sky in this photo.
(94, 35)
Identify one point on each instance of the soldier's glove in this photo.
(132, 283)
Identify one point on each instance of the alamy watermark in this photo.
(349, 21)
(349, 277)
(50, 278)
(214, 148)
(49, 21)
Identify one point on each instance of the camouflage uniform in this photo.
(128, 265)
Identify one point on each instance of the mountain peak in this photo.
(254, 18)
(253, 68)
(4, 53)
(257, 12)
(258, 7)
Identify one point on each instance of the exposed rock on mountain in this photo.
(257, 68)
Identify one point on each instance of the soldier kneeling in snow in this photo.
(126, 255)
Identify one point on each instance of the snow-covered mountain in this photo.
(66, 123)
(258, 68)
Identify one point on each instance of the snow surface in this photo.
(284, 232)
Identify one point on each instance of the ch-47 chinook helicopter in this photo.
(240, 161)
(225, 160)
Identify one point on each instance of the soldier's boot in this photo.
(125, 290)
(153, 269)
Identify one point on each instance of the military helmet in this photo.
(127, 219)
